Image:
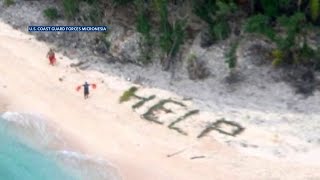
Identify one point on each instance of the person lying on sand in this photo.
(86, 89)
(51, 56)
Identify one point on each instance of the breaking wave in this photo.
(30, 136)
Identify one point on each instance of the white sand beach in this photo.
(103, 127)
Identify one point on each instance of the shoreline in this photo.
(101, 125)
(34, 100)
(44, 138)
(260, 99)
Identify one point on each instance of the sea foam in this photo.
(34, 134)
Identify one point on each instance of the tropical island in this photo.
(186, 89)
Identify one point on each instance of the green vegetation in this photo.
(71, 8)
(216, 14)
(91, 2)
(171, 125)
(8, 2)
(95, 14)
(314, 9)
(236, 128)
(281, 21)
(122, 2)
(287, 28)
(51, 13)
(150, 116)
(270, 7)
(143, 21)
(231, 55)
(285, 23)
(260, 24)
(288, 49)
(144, 27)
(143, 101)
(128, 94)
(171, 34)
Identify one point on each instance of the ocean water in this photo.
(30, 149)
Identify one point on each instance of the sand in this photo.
(103, 127)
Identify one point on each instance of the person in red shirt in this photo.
(51, 56)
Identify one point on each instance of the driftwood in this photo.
(78, 63)
(178, 152)
(197, 157)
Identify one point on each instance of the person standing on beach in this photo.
(86, 89)
(51, 56)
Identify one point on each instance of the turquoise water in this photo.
(20, 162)
(25, 154)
